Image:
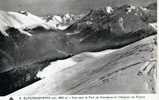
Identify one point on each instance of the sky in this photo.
(44, 7)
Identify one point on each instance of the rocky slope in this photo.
(100, 29)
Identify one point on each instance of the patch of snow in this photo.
(121, 23)
(89, 22)
(73, 33)
(144, 9)
(3, 27)
(57, 23)
(23, 21)
(101, 53)
(130, 9)
(55, 67)
(20, 21)
(109, 9)
(62, 27)
(153, 25)
(53, 24)
(136, 14)
(4, 23)
(25, 32)
(60, 65)
(68, 18)
(57, 19)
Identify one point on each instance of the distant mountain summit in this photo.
(100, 24)
(24, 20)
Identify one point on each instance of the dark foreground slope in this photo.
(98, 30)
(130, 69)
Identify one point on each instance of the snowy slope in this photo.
(127, 70)
(20, 21)
(27, 20)
(24, 20)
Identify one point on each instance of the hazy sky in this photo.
(43, 7)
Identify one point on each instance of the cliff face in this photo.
(100, 29)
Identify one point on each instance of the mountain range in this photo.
(33, 42)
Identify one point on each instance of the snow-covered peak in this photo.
(20, 21)
(27, 20)
(60, 22)
(55, 22)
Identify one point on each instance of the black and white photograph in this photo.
(78, 47)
